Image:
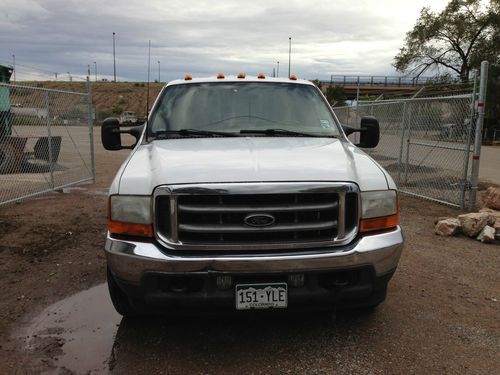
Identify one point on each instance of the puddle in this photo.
(76, 333)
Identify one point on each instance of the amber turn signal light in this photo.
(379, 223)
(130, 229)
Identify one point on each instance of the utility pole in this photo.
(70, 78)
(274, 72)
(289, 54)
(95, 70)
(278, 69)
(55, 75)
(158, 71)
(88, 70)
(14, 63)
(114, 58)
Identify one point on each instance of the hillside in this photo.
(109, 98)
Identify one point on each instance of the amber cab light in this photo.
(241, 75)
(261, 76)
(220, 76)
(293, 77)
(188, 77)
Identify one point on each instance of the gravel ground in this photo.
(441, 314)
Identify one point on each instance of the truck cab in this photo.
(244, 193)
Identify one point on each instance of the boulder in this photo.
(496, 226)
(472, 224)
(491, 198)
(487, 234)
(492, 212)
(447, 227)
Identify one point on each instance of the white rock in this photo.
(487, 234)
(447, 227)
(472, 224)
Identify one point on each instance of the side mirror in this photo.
(369, 132)
(111, 134)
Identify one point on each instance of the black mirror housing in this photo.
(369, 132)
(111, 134)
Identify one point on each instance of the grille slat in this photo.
(223, 228)
(194, 208)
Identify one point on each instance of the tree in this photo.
(336, 95)
(458, 38)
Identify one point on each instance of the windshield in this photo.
(236, 106)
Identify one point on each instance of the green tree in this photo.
(336, 95)
(458, 38)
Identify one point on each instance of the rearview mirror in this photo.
(369, 132)
(111, 134)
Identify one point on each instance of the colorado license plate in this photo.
(261, 296)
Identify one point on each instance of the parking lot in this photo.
(441, 314)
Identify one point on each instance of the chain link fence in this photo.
(425, 143)
(45, 140)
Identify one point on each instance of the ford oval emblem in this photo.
(259, 220)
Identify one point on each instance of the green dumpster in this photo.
(5, 113)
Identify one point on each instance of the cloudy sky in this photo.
(204, 37)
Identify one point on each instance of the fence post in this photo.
(91, 126)
(479, 129)
(465, 183)
(401, 147)
(49, 141)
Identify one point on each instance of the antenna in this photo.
(147, 95)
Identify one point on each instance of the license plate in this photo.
(261, 296)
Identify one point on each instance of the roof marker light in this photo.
(220, 76)
(188, 77)
(293, 77)
(261, 76)
(241, 75)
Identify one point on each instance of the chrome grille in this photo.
(213, 218)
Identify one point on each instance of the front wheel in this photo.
(119, 299)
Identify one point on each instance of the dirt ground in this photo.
(442, 314)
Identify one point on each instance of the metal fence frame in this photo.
(453, 180)
(56, 135)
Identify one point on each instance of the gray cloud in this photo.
(205, 37)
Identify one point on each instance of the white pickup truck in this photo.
(245, 193)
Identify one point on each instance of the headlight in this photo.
(378, 203)
(131, 215)
(379, 210)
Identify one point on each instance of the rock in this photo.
(474, 223)
(492, 212)
(447, 227)
(492, 198)
(487, 234)
(441, 218)
(496, 226)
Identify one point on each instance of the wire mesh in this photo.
(45, 141)
(425, 143)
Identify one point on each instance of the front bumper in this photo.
(129, 261)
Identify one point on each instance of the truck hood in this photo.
(246, 159)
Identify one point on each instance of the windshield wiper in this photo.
(188, 132)
(272, 132)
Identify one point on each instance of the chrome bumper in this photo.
(129, 260)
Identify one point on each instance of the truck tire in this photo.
(9, 160)
(119, 299)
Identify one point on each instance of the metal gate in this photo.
(46, 140)
(426, 144)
